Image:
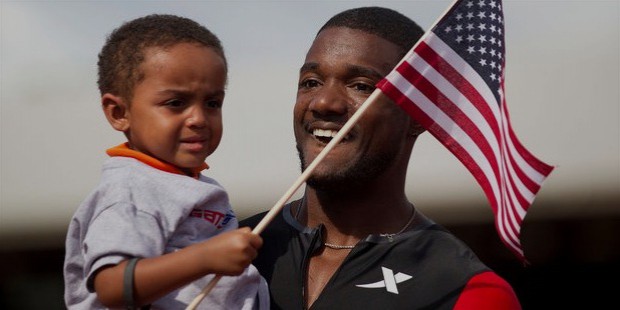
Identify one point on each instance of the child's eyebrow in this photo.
(188, 92)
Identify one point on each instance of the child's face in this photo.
(176, 111)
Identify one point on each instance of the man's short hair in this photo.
(383, 22)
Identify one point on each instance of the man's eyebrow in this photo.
(364, 71)
(309, 66)
(352, 70)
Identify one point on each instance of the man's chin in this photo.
(334, 182)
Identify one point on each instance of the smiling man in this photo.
(354, 241)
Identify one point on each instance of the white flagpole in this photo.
(301, 180)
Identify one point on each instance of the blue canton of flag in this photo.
(475, 31)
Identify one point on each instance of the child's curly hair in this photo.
(123, 51)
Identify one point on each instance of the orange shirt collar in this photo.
(124, 150)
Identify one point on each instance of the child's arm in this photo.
(225, 254)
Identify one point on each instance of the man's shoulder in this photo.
(253, 220)
(276, 231)
(440, 249)
(487, 290)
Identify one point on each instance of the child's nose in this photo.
(197, 117)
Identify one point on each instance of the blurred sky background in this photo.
(562, 89)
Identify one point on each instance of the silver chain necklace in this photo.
(389, 236)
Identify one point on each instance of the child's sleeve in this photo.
(120, 232)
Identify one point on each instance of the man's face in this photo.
(340, 72)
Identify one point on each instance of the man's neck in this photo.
(353, 217)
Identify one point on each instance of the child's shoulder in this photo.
(130, 175)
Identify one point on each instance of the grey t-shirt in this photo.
(140, 211)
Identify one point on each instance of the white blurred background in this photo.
(562, 89)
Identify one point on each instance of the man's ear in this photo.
(116, 111)
(415, 129)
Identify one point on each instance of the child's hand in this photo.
(231, 252)
(226, 254)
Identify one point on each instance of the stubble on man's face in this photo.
(363, 171)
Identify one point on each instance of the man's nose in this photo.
(330, 99)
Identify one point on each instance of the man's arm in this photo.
(488, 291)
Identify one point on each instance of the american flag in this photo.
(452, 83)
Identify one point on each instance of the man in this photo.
(354, 241)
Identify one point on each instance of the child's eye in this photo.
(214, 104)
(175, 103)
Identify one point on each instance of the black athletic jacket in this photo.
(424, 268)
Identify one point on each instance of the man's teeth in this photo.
(324, 133)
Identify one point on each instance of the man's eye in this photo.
(308, 83)
(364, 87)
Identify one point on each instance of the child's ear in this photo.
(116, 111)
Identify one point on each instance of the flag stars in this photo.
(476, 30)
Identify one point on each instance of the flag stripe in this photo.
(441, 74)
(453, 113)
(536, 169)
(444, 94)
(446, 130)
(472, 85)
(528, 168)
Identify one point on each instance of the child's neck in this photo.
(125, 150)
